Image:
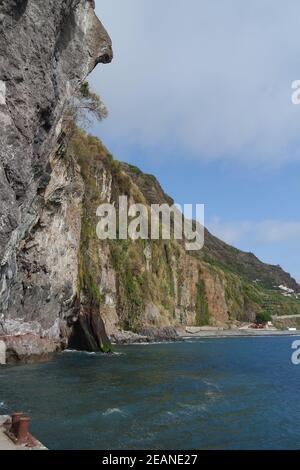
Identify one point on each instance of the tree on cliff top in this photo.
(84, 106)
(89, 103)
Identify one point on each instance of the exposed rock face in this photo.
(46, 51)
(28, 348)
(152, 287)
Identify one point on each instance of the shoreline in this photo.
(237, 334)
(182, 336)
(152, 336)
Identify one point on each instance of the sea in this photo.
(231, 393)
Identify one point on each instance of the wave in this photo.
(151, 343)
(88, 353)
(212, 385)
(194, 340)
(192, 408)
(111, 411)
(212, 395)
(79, 352)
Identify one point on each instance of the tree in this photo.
(90, 103)
(85, 105)
(263, 317)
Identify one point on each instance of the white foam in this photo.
(75, 351)
(194, 408)
(212, 385)
(151, 343)
(79, 352)
(111, 411)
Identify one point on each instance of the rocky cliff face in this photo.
(46, 50)
(59, 285)
(154, 286)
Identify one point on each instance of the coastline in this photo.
(236, 334)
(147, 336)
(171, 335)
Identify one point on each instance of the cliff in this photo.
(60, 286)
(47, 49)
(144, 285)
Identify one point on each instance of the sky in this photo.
(199, 94)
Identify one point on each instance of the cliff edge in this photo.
(46, 50)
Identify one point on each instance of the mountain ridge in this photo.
(224, 252)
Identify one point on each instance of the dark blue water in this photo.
(208, 394)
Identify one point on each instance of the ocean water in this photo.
(233, 393)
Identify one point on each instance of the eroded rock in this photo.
(47, 49)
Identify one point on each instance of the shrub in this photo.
(82, 108)
(263, 317)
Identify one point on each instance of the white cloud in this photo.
(274, 231)
(208, 78)
(265, 232)
(230, 232)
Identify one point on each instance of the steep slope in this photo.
(140, 285)
(46, 50)
(246, 264)
(216, 251)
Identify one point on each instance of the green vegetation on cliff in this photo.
(158, 283)
(202, 309)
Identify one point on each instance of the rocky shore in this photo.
(146, 335)
(27, 349)
(30, 348)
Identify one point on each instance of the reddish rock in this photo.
(29, 348)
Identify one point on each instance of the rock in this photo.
(127, 337)
(152, 314)
(29, 348)
(47, 49)
(160, 334)
(145, 335)
(88, 333)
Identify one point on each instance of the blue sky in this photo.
(199, 94)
